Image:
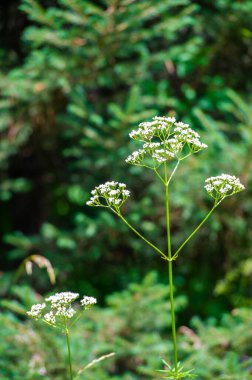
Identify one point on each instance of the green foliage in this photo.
(90, 73)
(176, 374)
(133, 325)
(224, 350)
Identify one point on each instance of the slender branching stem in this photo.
(173, 172)
(196, 229)
(69, 351)
(77, 318)
(169, 253)
(159, 176)
(141, 236)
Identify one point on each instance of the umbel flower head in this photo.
(159, 127)
(222, 186)
(164, 139)
(110, 194)
(59, 308)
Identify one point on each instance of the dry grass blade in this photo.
(95, 361)
(41, 262)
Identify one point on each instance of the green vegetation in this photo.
(133, 324)
(82, 76)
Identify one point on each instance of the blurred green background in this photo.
(76, 76)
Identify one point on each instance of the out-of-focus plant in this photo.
(41, 262)
(60, 311)
(166, 143)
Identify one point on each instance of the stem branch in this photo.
(173, 172)
(159, 176)
(196, 229)
(141, 236)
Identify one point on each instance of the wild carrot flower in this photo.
(159, 128)
(164, 139)
(36, 311)
(87, 302)
(59, 308)
(222, 186)
(110, 194)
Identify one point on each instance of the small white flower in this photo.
(59, 308)
(152, 155)
(62, 299)
(126, 193)
(88, 301)
(117, 201)
(136, 158)
(176, 138)
(152, 145)
(36, 310)
(162, 155)
(114, 192)
(110, 194)
(165, 119)
(222, 186)
(187, 136)
(180, 124)
(50, 318)
(159, 127)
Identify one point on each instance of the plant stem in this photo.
(196, 229)
(141, 236)
(69, 352)
(173, 172)
(174, 336)
(159, 176)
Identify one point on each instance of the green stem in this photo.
(174, 336)
(77, 318)
(173, 172)
(159, 176)
(196, 229)
(141, 236)
(69, 352)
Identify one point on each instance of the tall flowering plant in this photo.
(165, 144)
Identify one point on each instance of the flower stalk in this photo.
(142, 237)
(165, 140)
(69, 353)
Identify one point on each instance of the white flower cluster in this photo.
(88, 301)
(157, 152)
(110, 194)
(164, 139)
(136, 158)
(36, 310)
(183, 134)
(59, 308)
(159, 127)
(62, 299)
(222, 186)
